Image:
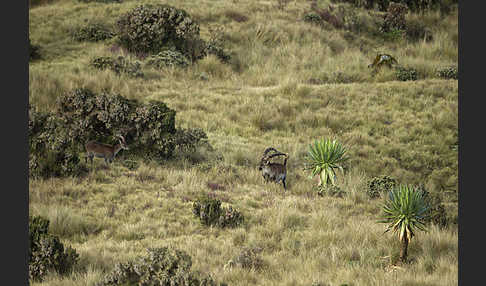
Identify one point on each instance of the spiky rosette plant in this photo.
(323, 158)
(405, 212)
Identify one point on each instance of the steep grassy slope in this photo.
(266, 96)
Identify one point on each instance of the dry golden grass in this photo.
(262, 98)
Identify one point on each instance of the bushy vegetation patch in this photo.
(151, 29)
(33, 51)
(216, 43)
(413, 5)
(449, 72)
(46, 252)
(210, 213)
(394, 20)
(161, 266)
(416, 30)
(437, 213)
(52, 152)
(380, 185)
(93, 32)
(148, 128)
(167, 58)
(406, 73)
(119, 65)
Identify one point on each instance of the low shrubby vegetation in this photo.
(210, 213)
(161, 266)
(118, 65)
(46, 252)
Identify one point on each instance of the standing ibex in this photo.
(273, 171)
(105, 151)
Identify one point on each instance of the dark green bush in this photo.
(444, 6)
(46, 252)
(93, 32)
(210, 213)
(162, 266)
(394, 19)
(449, 72)
(118, 65)
(437, 213)
(152, 29)
(33, 51)
(216, 43)
(52, 152)
(167, 58)
(312, 17)
(330, 190)
(188, 139)
(380, 185)
(148, 128)
(405, 74)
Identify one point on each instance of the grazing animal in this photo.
(274, 172)
(105, 151)
(383, 59)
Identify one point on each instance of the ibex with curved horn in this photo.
(273, 171)
(105, 151)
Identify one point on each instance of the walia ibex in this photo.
(105, 151)
(273, 171)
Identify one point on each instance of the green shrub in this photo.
(437, 213)
(210, 213)
(52, 152)
(394, 19)
(380, 185)
(148, 128)
(118, 65)
(405, 74)
(188, 139)
(330, 190)
(167, 58)
(152, 29)
(33, 51)
(92, 33)
(162, 266)
(444, 6)
(216, 43)
(312, 17)
(46, 252)
(449, 72)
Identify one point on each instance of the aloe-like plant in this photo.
(324, 156)
(405, 211)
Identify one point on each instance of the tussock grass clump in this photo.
(119, 65)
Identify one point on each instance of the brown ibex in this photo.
(105, 151)
(273, 171)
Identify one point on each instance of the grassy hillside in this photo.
(288, 83)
